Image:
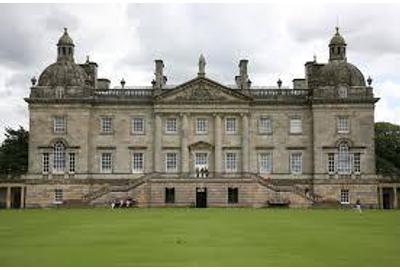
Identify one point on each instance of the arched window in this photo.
(344, 159)
(64, 51)
(70, 51)
(59, 157)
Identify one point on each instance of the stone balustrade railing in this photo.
(123, 92)
(279, 92)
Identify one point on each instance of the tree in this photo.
(387, 149)
(14, 152)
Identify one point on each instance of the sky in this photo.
(125, 39)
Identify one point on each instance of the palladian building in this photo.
(201, 143)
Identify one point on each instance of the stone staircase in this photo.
(97, 196)
(278, 189)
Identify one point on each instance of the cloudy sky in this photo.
(124, 39)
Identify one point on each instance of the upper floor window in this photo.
(170, 125)
(230, 125)
(296, 126)
(265, 162)
(106, 162)
(231, 162)
(171, 162)
(201, 126)
(344, 159)
(138, 125)
(59, 157)
(106, 124)
(137, 162)
(264, 125)
(59, 124)
(296, 163)
(343, 124)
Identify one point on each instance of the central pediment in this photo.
(200, 90)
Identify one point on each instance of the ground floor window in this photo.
(169, 195)
(233, 195)
(58, 195)
(344, 196)
(45, 162)
(72, 162)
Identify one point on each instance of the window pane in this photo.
(72, 162)
(106, 162)
(343, 124)
(230, 125)
(138, 125)
(58, 195)
(344, 159)
(59, 125)
(296, 163)
(265, 125)
(357, 162)
(171, 162)
(45, 162)
(137, 162)
(170, 125)
(344, 196)
(106, 124)
(230, 162)
(331, 163)
(201, 126)
(265, 161)
(296, 125)
(59, 157)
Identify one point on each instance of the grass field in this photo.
(199, 237)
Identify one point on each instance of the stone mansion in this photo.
(200, 143)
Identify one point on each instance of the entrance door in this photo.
(201, 197)
(15, 197)
(387, 198)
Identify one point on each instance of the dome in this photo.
(337, 39)
(340, 72)
(65, 39)
(63, 73)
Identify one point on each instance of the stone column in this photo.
(157, 151)
(245, 143)
(217, 144)
(380, 197)
(395, 203)
(8, 198)
(184, 144)
(22, 197)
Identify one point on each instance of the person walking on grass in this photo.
(358, 206)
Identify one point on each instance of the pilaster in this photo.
(245, 143)
(157, 151)
(184, 144)
(218, 143)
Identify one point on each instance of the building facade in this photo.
(201, 143)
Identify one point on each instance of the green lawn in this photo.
(199, 237)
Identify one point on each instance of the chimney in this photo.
(160, 79)
(243, 79)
